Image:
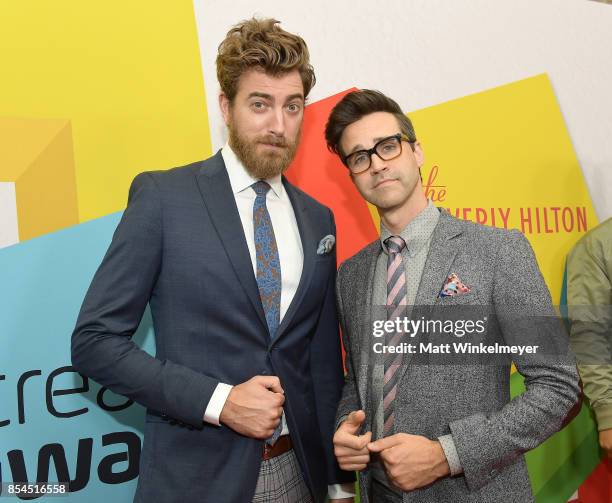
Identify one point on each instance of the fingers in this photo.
(385, 443)
(279, 399)
(351, 450)
(270, 382)
(254, 408)
(346, 453)
(356, 417)
(353, 422)
(362, 459)
(353, 442)
(351, 467)
(376, 446)
(354, 460)
(269, 425)
(273, 416)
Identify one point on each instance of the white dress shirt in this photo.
(291, 256)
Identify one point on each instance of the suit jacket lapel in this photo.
(219, 200)
(439, 260)
(365, 291)
(309, 247)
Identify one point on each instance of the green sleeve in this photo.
(589, 295)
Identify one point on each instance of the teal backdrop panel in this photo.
(55, 425)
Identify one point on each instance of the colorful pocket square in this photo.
(326, 245)
(453, 286)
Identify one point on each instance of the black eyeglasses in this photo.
(388, 148)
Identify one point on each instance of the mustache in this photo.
(378, 181)
(277, 141)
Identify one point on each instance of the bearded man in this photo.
(238, 267)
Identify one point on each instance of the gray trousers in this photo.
(280, 481)
(382, 494)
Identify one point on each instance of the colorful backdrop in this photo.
(511, 105)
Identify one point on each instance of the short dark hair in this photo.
(354, 106)
(262, 44)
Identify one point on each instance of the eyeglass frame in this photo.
(399, 136)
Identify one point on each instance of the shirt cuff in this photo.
(216, 403)
(603, 414)
(450, 451)
(339, 491)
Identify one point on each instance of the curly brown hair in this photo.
(261, 43)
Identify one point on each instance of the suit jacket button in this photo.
(264, 372)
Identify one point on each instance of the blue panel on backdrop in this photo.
(47, 411)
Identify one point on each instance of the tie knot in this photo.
(395, 244)
(261, 188)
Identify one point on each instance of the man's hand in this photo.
(351, 449)
(605, 441)
(411, 461)
(254, 408)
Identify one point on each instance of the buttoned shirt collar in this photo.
(240, 178)
(418, 231)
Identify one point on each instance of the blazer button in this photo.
(264, 372)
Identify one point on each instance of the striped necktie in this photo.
(396, 307)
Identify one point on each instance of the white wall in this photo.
(9, 233)
(425, 52)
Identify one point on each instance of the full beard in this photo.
(263, 165)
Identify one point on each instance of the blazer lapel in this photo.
(366, 291)
(309, 244)
(439, 260)
(219, 200)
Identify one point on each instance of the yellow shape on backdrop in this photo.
(503, 157)
(126, 74)
(37, 154)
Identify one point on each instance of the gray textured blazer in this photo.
(468, 398)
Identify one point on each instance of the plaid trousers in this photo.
(280, 481)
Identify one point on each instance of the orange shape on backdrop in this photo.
(322, 175)
(37, 155)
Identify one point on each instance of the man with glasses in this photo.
(424, 427)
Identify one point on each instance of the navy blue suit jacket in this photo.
(180, 247)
